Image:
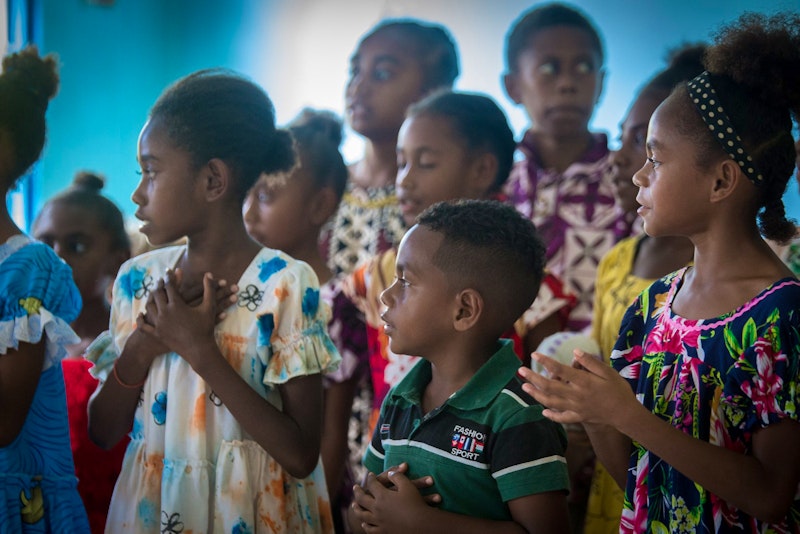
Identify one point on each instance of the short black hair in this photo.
(217, 113)
(479, 121)
(433, 46)
(489, 246)
(541, 18)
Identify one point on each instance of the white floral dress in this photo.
(190, 467)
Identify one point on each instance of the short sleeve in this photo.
(527, 455)
(132, 282)
(39, 300)
(292, 337)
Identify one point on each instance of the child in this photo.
(225, 420)
(707, 439)
(554, 62)
(287, 213)
(465, 272)
(395, 64)
(452, 145)
(86, 230)
(39, 300)
(635, 262)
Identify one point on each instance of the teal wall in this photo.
(116, 60)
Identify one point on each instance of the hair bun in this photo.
(88, 181)
(35, 74)
(280, 156)
(321, 122)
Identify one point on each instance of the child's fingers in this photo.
(423, 482)
(142, 325)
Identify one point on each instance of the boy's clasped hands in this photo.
(386, 502)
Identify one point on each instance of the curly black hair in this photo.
(27, 84)
(754, 67)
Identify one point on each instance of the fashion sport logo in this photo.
(467, 443)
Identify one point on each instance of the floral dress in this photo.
(190, 466)
(718, 380)
(37, 475)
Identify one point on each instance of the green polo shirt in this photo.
(488, 444)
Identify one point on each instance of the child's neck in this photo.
(223, 250)
(659, 256)
(558, 153)
(378, 167)
(720, 282)
(309, 253)
(451, 371)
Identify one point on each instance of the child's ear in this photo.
(217, 179)
(469, 308)
(727, 175)
(511, 86)
(323, 205)
(484, 172)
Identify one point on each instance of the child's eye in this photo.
(584, 67)
(402, 282)
(427, 164)
(78, 247)
(264, 197)
(654, 162)
(640, 138)
(548, 68)
(150, 174)
(381, 75)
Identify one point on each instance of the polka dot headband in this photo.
(708, 105)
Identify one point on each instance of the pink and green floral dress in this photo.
(718, 380)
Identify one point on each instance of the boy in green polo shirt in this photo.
(464, 273)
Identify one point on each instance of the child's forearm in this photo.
(291, 436)
(112, 407)
(761, 483)
(613, 450)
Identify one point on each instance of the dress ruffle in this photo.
(31, 328)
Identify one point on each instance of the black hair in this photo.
(27, 84)
(432, 45)
(683, 63)
(478, 120)
(85, 193)
(754, 67)
(488, 245)
(318, 135)
(216, 113)
(541, 18)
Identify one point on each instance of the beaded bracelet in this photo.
(123, 384)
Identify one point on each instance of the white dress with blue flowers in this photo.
(38, 300)
(190, 467)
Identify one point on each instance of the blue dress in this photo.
(38, 300)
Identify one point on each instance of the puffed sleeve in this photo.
(132, 282)
(39, 300)
(292, 337)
